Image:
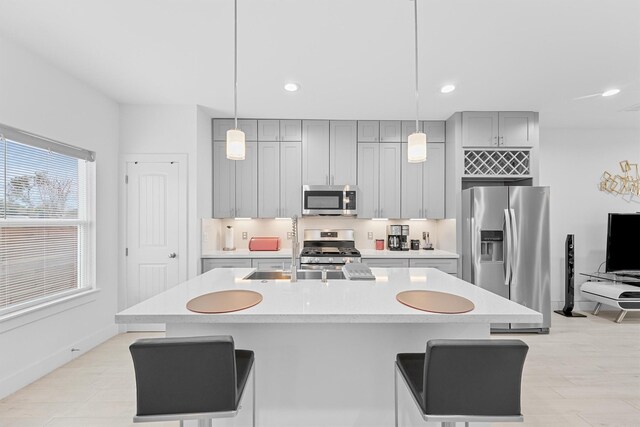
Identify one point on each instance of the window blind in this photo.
(43, 223)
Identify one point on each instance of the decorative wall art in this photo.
(626, 183)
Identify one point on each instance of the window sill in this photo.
(37, 312)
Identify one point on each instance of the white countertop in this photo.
(366, 253)
(338, 301)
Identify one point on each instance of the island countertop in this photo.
(337, 301)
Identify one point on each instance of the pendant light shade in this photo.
(235, 137)
(235, 144)
(417, 147)
(417, 142)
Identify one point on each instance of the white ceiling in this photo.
(353, 58)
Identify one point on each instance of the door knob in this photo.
(172, 255)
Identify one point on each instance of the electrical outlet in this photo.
(244, 235)
(288, 235)
(370, 235)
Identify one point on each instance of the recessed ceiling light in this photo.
(611, 92)
(447, 88)
(291, 87)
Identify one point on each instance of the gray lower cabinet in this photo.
(448, 265)
(379, 180)
(423, 184)
(211, 263)
(271, 263)
(235, 183)
(279, 179)
(386, 262)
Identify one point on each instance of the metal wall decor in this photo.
(626, 183)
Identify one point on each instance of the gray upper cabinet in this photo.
(221, 126)
(390, 131)
(290, 179)
(368, 131)
(498, 129)
(423, 184)
(268, 130)
(409, 127)
(343, 152)
(291, 130)
(268, 179)
(379, 180)
(315, 152)
(235, 183)
(434, 130)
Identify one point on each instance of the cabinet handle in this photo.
(496, 140)
(501, 140)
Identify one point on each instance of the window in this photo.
(45, 220)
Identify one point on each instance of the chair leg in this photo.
(621, 316)
(254, 393)
(395, 391)
(597, 309)
(448, 424)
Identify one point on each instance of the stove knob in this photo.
(330, 260)
(316, 260)
(347, 260)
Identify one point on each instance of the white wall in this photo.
(173, 129)
(571, 163)
(40, 98)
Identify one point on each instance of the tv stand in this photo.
(621, 295)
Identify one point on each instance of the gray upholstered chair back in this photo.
(473, 377)
(185, 375)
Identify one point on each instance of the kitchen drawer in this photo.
(211, 263)
(271, 263)
(446, 265)
(386, 262)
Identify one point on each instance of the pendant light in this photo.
(235, 137)
(417, 142)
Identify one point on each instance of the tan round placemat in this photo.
(224, 301)
(435, 302)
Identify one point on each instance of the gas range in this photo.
(328, 249)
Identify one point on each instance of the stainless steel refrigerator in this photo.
(505, 247)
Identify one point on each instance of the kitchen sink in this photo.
(285, 275)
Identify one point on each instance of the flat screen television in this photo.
(623, 243)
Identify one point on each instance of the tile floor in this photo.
(585, 373)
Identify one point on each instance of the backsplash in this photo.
(213, 231)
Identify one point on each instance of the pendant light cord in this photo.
(415, 21)
(235, 62)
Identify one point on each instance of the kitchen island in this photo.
(325, 351)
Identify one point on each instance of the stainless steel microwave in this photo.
(339, 200)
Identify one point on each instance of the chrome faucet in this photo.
(294, 248)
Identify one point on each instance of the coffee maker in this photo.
(398, 237)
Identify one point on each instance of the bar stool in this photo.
(464, 380)
(197, 378)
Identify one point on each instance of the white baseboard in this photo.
(29, 374)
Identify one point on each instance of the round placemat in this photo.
(435, 302)
(224, 301)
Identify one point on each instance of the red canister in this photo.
(379, 244)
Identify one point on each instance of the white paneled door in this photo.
(156, 251)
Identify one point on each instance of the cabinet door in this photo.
(250, 129)
(368, 130)
(386, 262)
(390, 165)
(479, 129)
(315, 152)
(290, 179)
(412, 183)
(434, 130)
(220, 128)
(434, 175)
(409, 127)
(291, 130)
(343, 152)
(224, 182)
(211, 263)
(269, 130)
(516, 128)
(390, 131)
(448, 265)
(368, 171)
(268, 179)
(271, 263)
(247, 183)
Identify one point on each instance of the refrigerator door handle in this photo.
(473, 246)
(507, 258)
(514, 237)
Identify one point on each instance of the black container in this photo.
(415, 245)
